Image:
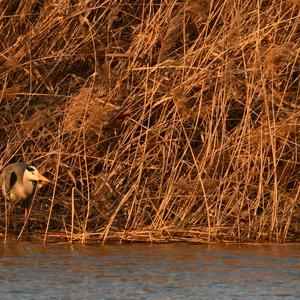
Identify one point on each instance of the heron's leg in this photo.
(26, 218)
(7, 214)
(25, 214)
(27, 209)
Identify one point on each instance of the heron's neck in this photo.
(29, 186)
(22, 190)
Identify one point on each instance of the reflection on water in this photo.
(172, 271)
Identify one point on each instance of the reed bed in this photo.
(157, 120)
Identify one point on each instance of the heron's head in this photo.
(32, 174)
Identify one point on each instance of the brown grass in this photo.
(157, 120)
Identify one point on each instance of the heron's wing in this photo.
(12, 179)
(8, 179)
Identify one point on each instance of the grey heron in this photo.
(19, 182)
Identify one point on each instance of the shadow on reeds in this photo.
(156, 122)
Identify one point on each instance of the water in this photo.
(139, 271)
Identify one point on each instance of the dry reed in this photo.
(157, 120)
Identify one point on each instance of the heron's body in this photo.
(19, 182)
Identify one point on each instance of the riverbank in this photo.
(155, 122)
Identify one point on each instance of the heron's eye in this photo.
(30, 169)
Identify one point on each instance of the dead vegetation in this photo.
(157, 120)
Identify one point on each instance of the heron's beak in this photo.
(44, 179)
